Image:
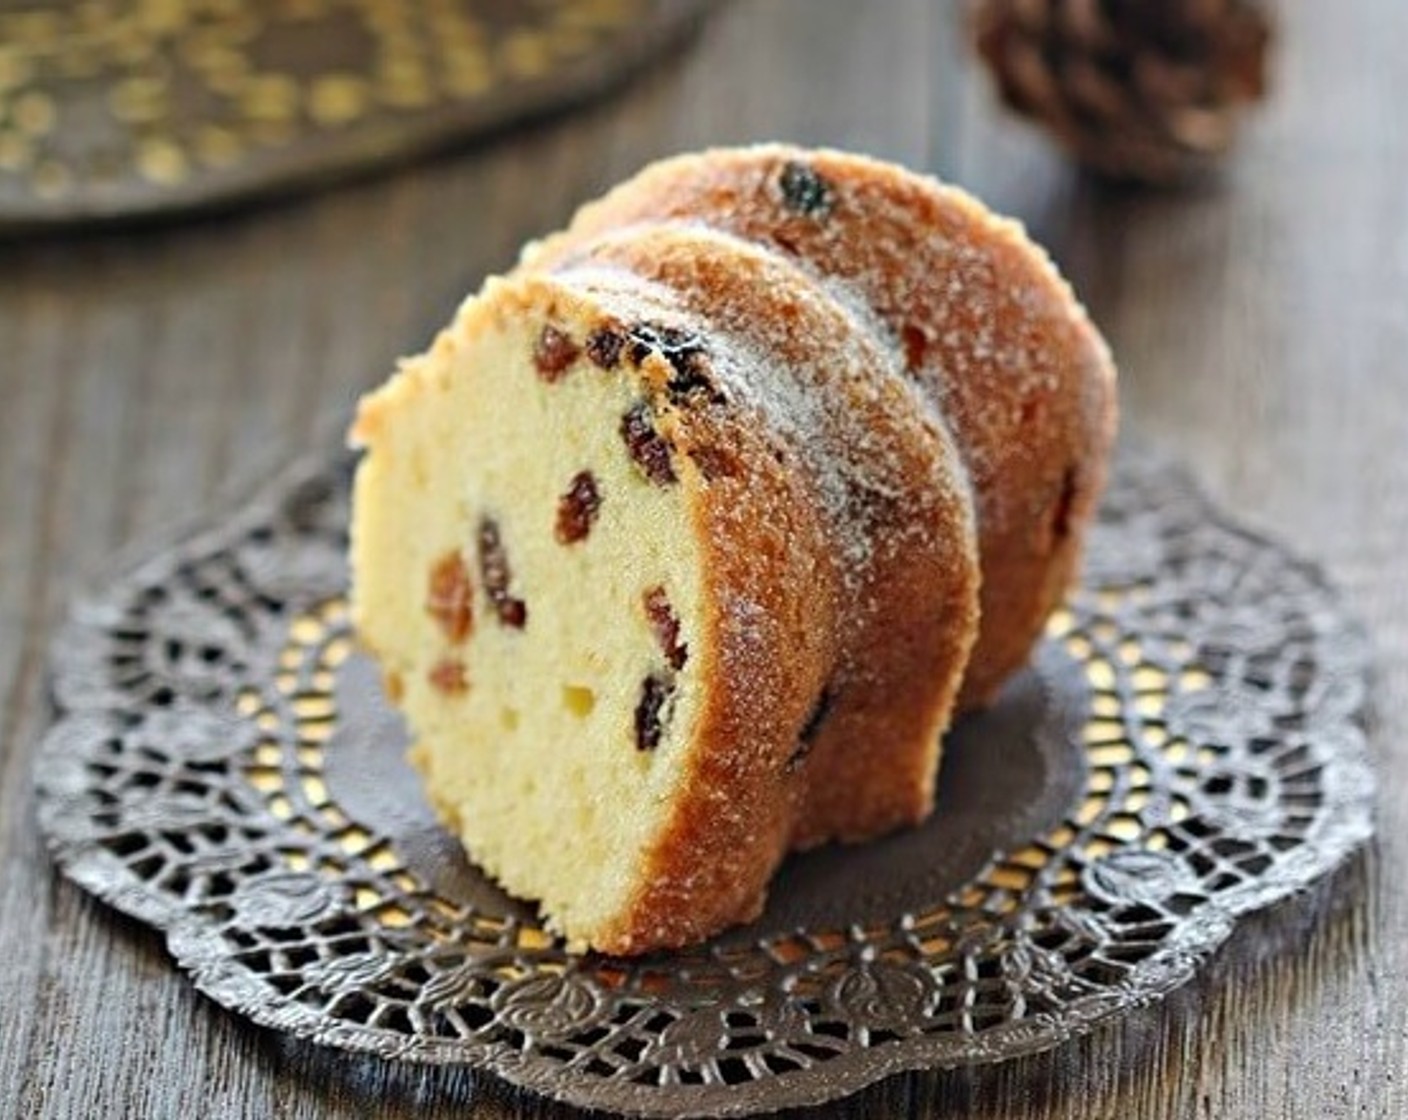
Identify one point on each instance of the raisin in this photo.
(671, 343)
(688, 358)
(553, 353)
(448, 676)
(666, 626)
(715, 462)
(494, 570)
(694, 385)
(1065, 504)
(916, 344)
(450, 597)
(604, 346)
(577, 509)
(650, 452)
(655, 691)
(807, 736)
(803, 190)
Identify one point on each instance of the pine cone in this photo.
(1145, 90)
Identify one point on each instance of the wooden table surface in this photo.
(1261, 323)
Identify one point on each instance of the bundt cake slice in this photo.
(900, 509)
(979, 318)
(615, 540)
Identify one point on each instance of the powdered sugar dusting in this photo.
(895, 503)
(745, 363)
(975, 312)
(814, 373)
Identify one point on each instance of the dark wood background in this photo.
(1261, 323)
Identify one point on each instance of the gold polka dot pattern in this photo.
(116, 107)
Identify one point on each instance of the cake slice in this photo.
(898, 509)
(669, 572)
(678, 545)
(977, 317)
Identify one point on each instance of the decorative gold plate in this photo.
(119, 108)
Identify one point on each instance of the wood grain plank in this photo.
(32, 415)
(70, 1009)
(808, 74)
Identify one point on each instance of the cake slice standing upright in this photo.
(669, 573)
(979, 319)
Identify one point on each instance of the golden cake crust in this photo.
(872, 409)
(819, 680)
(982, 322)
(901, 538)
(771, 611)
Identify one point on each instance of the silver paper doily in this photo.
(1186, 748)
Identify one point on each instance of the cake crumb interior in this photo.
(537, 759)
